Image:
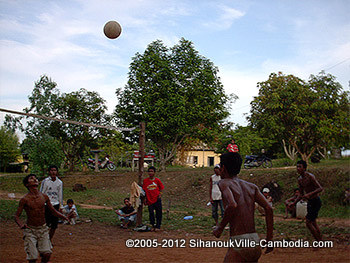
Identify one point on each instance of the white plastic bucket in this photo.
(301, 209)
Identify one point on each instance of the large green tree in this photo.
(9, 147)
(300, 114)
(43, 150)
(177, 92)
(81, 106)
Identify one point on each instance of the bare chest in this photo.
(36, 202)
(307, 184)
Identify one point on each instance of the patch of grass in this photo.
(282, 162)
(199, 223)
(100, 215)
(8, 208)
(95, 197)
(187, 188)
(13, 183)
(335, 211)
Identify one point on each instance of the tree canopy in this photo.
(178, 94)
(43, 150)
(81, 106)
(9, 147)
(306, 115)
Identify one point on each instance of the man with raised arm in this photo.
(239, 199)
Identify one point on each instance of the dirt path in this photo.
(93, 242)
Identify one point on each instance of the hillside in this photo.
(189, 187)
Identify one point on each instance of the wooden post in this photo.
(141, 169)
(96, 162)
(96, 152)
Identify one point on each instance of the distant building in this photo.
(198, 156)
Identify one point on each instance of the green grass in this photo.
(8, 209)
(95, 197)
(13, 183)
(200, 224)
(333, 175)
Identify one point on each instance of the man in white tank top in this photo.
(215, 194)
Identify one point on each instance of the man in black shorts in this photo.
(309, 190)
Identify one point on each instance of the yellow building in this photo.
(200, 156)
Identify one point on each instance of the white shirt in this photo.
(67, 210)
(215, 190)
(53, 189)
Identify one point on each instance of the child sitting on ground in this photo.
(266, 193)
(126, 214)
(289, 204)
(71, 212)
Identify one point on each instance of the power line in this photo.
(337, 64)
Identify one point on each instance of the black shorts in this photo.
(51, 220)
(313, 206)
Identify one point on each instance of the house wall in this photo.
(200, 158)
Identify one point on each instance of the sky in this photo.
(246, 39)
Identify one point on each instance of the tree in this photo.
(115, 146)
(305, 115)
(43, 151)
(9, 147)
(247, 139)
(176, 92)
(331, 106)
(81, 106)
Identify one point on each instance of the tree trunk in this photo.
(162, 159)
(305, 156)
(291, 152)
(141, 169)
(336, 153)
(71, 163)
(323, 152)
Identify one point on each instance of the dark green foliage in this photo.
(177, 92)
(72, 140)
(306, 115)
(9, 147)
(43, 151)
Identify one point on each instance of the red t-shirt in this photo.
(152, 189)
(232, 148)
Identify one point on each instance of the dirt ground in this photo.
(94, 242)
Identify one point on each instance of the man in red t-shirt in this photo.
(153, 188)
(232, 147)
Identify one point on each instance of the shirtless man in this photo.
(309, 189)
(36, 233)
(239, 199)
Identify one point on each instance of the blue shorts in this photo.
(127, 218)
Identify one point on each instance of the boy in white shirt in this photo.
(53, 188)
(215, 194)
(71, 212)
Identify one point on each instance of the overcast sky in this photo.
(246, 39)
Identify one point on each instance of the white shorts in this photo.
(36, 240)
